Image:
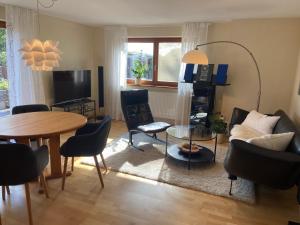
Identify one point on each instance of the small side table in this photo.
(191, 134)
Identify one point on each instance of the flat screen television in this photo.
(71, 85)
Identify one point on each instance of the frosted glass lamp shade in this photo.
(195, 57)
(41, 56)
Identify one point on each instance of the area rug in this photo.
(152, 164)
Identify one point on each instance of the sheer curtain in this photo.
(25, 86)
(192, 34)
(115, 39)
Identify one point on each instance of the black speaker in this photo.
(204, 73)
(101, 86)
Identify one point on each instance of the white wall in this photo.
(295, 99)
(2, 13)
(77, 45)
(275, 44)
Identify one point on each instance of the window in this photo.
(4, 104)
(161, 57)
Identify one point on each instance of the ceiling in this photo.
(161, 12)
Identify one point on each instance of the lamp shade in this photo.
(41, 56)
(195, 57)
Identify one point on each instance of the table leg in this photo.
(55, 159)
(215, 151)
(190, 154)
(25, 141)
(166, 153)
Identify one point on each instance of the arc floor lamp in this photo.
(197, 56)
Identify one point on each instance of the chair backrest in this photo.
(29, 108)
(18, 164)
(136, 108)
(101, 134)
(285, 124)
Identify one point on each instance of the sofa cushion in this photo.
(243, 133)
(260, 122)
(286, 125)
(277, 142)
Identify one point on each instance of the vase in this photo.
(137, 81)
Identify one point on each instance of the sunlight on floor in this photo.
(134, 178)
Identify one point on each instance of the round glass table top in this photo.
(190, 132)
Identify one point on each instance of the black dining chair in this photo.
(138, 115)
(19, 164)
(24, 109)
(29, 108)
(89, 140)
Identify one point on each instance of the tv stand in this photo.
(83, 106)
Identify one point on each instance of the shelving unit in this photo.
(203, 101)
(85, 107)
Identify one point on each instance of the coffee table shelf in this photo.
(191, 134)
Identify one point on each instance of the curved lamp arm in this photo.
(252, 57)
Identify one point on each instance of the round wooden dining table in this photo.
(46, 125)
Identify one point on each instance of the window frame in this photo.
(155, 82)
(2, 24)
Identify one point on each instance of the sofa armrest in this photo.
(264, 166)
(238, 116)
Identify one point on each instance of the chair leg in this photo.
(103, 161)
(99, 171)
(7, 190)
(39, 142)
(130, 138)
(72, 166)
(45, 186)
(3, 193)
(28, 201)
(298, 194)
(64, 173)
(230, 193)
(232, 178)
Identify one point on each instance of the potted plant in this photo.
(3, 93)
(219, 126)
(139, 70)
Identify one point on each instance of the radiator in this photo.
(163, 104)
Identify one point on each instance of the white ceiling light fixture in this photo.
(41, 55)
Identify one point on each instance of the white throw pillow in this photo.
(261, 122)
(277, 142)
(243, 133)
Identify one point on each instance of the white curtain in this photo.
(192, 34)
(115, 38)
(25, 86)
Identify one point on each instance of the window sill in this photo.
(151, 86)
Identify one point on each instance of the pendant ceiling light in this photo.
(41, 55)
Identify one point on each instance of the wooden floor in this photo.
(129, 200)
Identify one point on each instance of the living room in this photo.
(108, 47)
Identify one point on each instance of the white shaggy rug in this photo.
(152, 164)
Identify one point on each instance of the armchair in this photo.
(263, 166)
(138, 116)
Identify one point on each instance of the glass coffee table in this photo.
(190, 152)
